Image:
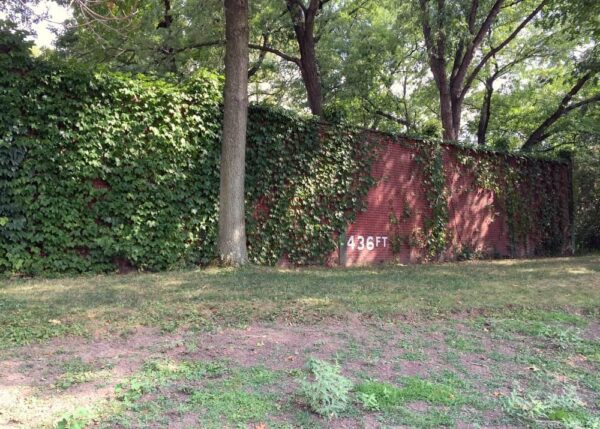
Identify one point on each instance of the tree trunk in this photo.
(303, 19)
(311, 76)
(457, 104)
(446, 111)
(232, 230)
(167, 49)
(484, 116)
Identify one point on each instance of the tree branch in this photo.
(277, 52)
(200, 45)
(473, 15)
(494, 51)
(261, 57)
(393, 118)
(541, 132)
(459, 78)
(594, 99)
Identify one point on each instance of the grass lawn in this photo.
(476, 344)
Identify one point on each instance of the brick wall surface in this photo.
(474, 223)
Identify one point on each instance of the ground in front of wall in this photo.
(483, 344)
(538, 369)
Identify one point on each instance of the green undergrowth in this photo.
(383, 396)
(458, 383)
(218, 393)
(565, 409)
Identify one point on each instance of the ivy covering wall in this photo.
(100, 171)
(105, 170)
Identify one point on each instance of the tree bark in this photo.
(303, 20)
(486, 108)
(311, 76)
(167, 49)
(232, 229)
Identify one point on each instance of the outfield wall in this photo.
(479, 223)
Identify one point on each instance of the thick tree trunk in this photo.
(447, 113)
(232, 230)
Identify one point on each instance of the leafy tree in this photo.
(453, 33)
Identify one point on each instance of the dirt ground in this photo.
(482, 360)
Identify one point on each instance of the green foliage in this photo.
(380, 396)
(567, 409)
(76, 371)
(235, 404)
(587, 196)
(435, 232)
(535, 205)
(436, 226)
(103, 170)
(106, 170)
(328, 394)
(527, 190)
(78, 419)
(132, 390)
(306, 184)
(377, 396)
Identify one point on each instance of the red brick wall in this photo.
(476, 221)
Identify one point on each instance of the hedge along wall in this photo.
(100, 171)
(442, 202)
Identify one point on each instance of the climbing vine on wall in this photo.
(305, 184)
(435, 235)
(99, 170)
(525, 188)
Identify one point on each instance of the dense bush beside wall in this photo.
(102, 169)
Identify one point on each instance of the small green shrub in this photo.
(368, 401)
(562, 337)
(328, 394)
(130, 391)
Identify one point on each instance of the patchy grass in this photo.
(508, 343)
(384, 396)
(38, 309)
(76, 371)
